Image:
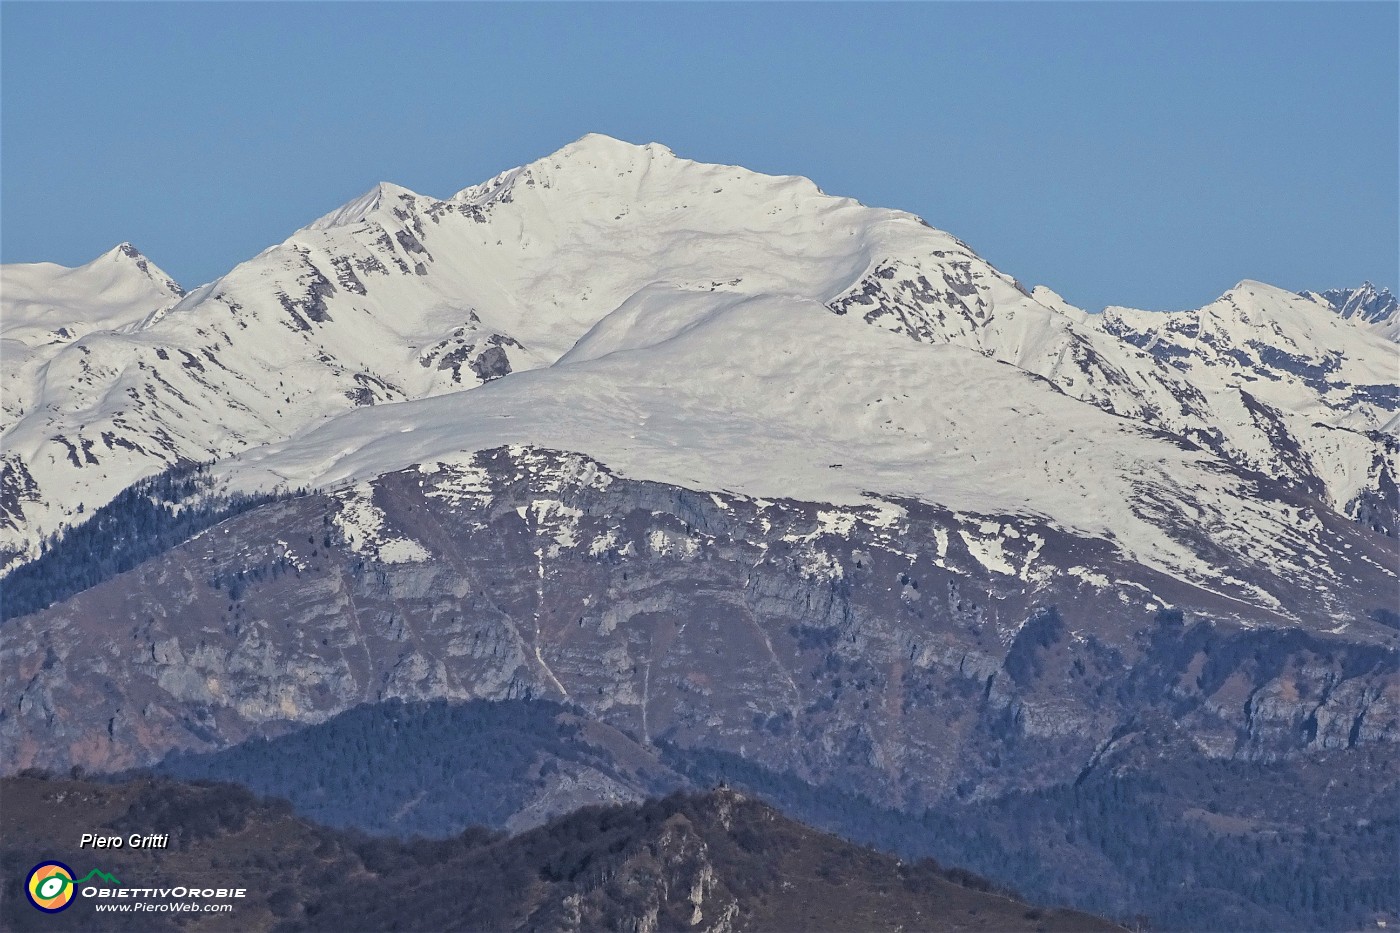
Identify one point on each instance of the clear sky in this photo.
(1141, 154)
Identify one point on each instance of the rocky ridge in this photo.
(1376, 307)
(841, 644)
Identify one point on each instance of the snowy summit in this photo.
(715, 328)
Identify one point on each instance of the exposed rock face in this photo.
(897, 648)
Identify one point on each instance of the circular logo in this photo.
(50, 886)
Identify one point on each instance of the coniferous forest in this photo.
(144, 520)
(1189, 845)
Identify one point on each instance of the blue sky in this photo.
(1141, 154)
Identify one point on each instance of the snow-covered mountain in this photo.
(46, 307)
(1375, 307)
(715, 328)
(745, 473)
(1294, 393)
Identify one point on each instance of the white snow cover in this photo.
(719, 329)
(1375, 309)
(760, 395)
(45, 307)
(1311, 368)
(363, 525)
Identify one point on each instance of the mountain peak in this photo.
(1055, 302)
(124, 253)
(128, 255)
(601, 143)
(592, 153)
(358, 209)
(1366, 305)
(597, 151)
(1255, 287)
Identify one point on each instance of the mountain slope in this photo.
(714, 861)
(1377, 309)
(118, 288)
(699, 617)
(1297, 393)
(46, 307)
(742, 473)
(689, 390)
(605, 247)
(912, 658)
(701, 862)
(399, 296)
(435, 769)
